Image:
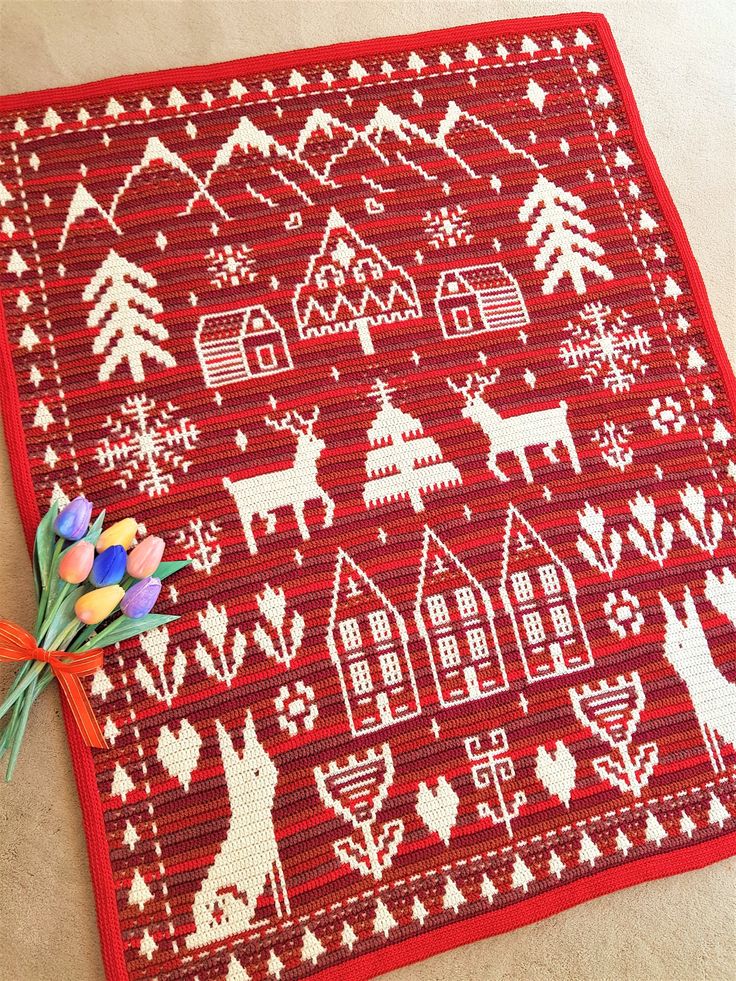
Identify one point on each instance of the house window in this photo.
(438, 612)
(463, 322)
(561, 620)
(448, 651)
(466, 602)
(266, 357)
(522, 586)
(380, 626)
(390, 668)
(477, 643)
(350, 635)
(549, 579)
(360, 675)
(534, 627)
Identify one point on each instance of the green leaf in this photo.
(43, 548)
(96, 530)
(123, 628)
(65, 613)
(167, 569)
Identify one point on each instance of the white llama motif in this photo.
(516, 434)
(248, 859)
(292, 486)
(713, 697)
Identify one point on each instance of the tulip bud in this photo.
(146, 557)
(72, 522)
(92, 608)
(76, 562)
(109, 567)
(141, 598)
(121, 533)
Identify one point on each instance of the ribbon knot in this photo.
(18, 645)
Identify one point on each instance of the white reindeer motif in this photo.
(292, 486)
(516, 434)
(712, 695)
(248, 859)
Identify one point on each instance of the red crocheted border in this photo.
(496, 921)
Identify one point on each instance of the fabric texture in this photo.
(403, 345)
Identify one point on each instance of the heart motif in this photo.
(438, 808)
(556, 771)
(179, 755)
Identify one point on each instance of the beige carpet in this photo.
(680, 61)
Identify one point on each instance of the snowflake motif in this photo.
(613, 442)
(666, 416)
(623, 613)
(296, 709)
(606, 348)
(448, 226)
(146, 445)
(231, 266)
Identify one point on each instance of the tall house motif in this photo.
(368, 643)
(540, 597)
(454, 615)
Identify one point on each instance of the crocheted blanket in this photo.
(402, 343)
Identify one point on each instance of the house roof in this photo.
(472, 278)
(234, 323)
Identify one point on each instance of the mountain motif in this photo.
(253, 160)
(157, 154)
(80, 205)
(470, 139)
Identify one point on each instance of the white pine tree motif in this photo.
(419, 911)
(717, 813)
(312, 947)
(487, 889)
(349, 937)
(521, 875)
(125, 311)
(556, 865)
(403, 462)
(139, 893)
(453, 898)
(384, 921)
(655, 830)
(562, 235)
(589, 851)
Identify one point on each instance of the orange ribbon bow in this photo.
(17, 644)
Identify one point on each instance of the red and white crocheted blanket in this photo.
(403, 345)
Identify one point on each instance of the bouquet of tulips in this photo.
(93, 590)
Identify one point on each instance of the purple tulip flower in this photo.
(109, 567)
(141, 598)
(72, 522)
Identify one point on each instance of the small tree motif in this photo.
(201, 545)
(654, 544)
(272, 604)
(229, 649)
(356, 790)
(566, 248)
(606, 555)
(698, 528)
(124, 305)
(165, 680)
(495, 769)
(612, 712)
(606, 348)
(403, 462)
(613, 442)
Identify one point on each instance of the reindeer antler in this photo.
(287, 421)
(474, 385)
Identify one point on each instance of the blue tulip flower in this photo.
(141, 598)
(109, 567)
(72, 522)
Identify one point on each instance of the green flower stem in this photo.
(35, 669)
(84, 637)
(19, 730)
(63, 593)
(45, 574)
(59, 643)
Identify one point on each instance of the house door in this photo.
(463, 320)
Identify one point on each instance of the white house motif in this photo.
(240, 344)
(540, 597)
(351, 286)
(368, 642)
(454, 615)
(479, 298)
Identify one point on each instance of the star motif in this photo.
(472, 81)
(173, 594)
(335, 373)
(193, 299)
(274, 283)
(483, 358)
(658, 472)
(547, 493)
(382, 536)
(496, 245)
(415, 357)
(523, 703)
(468, 512)
(217, 398)
(496, 183)
(523, 336)
(278, 109)
(106, 139)
(436, 728)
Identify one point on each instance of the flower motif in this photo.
(624, 613)
(644, 510)
(592, 520)
(666, 417)
(298, 709)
